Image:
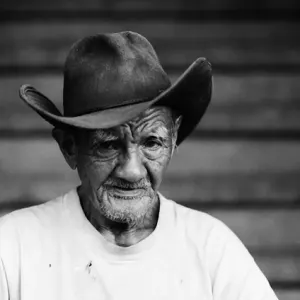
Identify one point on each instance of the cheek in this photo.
(156, 168)
(94, 172)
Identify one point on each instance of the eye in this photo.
(104, 148)
(108, 145)
(152, 143)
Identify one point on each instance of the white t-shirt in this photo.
(51, 251)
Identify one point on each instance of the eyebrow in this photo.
(103, 135)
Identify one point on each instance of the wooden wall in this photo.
(242, 164)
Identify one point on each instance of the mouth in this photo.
(126, 191)
(123, 188)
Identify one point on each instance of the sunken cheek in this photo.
(157, 169)
(98, 171)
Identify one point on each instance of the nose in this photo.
(131, 168)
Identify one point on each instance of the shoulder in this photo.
(213, 239)
(198, 225)
(32, 216)
(30, 223)
(23, 229)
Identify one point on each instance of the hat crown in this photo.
(111, 70)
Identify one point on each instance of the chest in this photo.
(178, 275)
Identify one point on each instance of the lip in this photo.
(126, 192)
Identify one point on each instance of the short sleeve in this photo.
(3, 282)
(234, 273)
(9, 259)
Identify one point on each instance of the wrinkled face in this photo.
(123, 167)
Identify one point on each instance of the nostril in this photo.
(131, 169)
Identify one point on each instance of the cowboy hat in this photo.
(111, 78)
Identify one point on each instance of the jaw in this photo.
(126, 206)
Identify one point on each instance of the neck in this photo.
(121, 234)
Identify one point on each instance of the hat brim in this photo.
(189, 96)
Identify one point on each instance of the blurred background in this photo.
(241, 165)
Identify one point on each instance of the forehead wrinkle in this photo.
(142, 123)
(156, 114)
(158, 126)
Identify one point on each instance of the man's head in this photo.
(122, 167)
(114, 129)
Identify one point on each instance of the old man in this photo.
(115, 236)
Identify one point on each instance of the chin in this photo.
(126, 208)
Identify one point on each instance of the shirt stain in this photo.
(89, 270)
(89, 267)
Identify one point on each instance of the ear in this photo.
(177, 124)
(67, 145)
